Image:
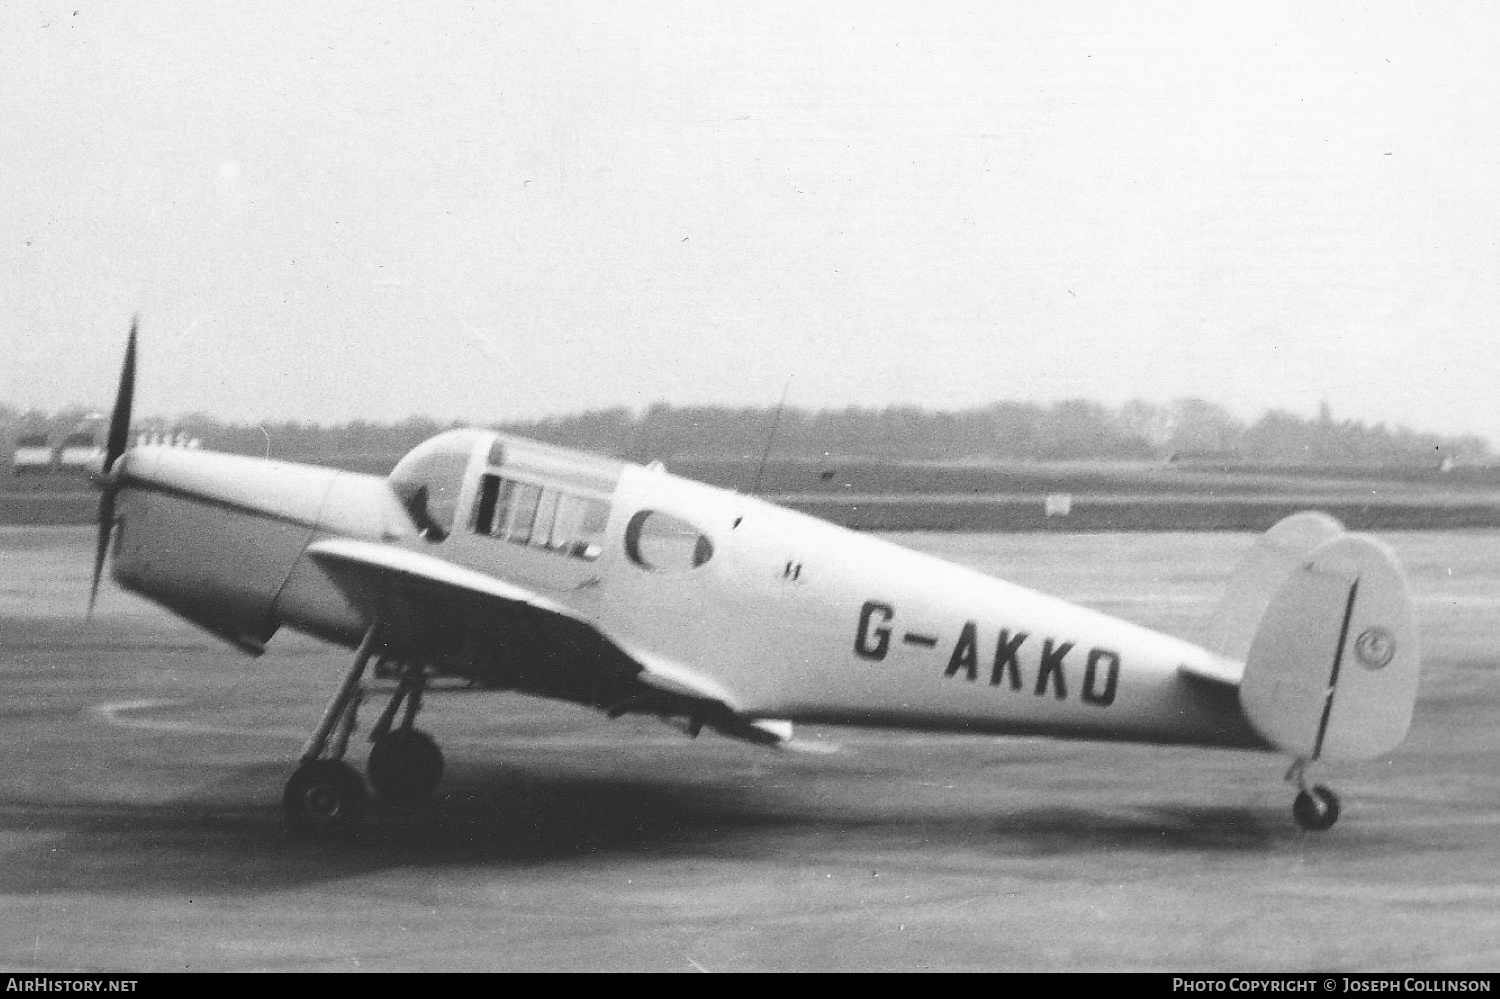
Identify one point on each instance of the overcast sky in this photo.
(331, 210)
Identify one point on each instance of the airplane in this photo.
(555, 572)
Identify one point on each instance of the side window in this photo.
(523, 506)
(489, 499)
(590, 541)
(546, 515)
(545, 518)
(565, 523)
(578, 527)
(663, 543)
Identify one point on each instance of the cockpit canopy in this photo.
(428, 480)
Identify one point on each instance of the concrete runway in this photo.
(140, 825)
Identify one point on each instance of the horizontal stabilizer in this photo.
(1215, 669)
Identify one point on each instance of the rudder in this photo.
(1332, 667)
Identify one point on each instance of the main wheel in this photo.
(1316, 810)
(405, 765)
(324, 799)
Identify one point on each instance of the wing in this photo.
(469, 623)
(372, 574)
(463, 622)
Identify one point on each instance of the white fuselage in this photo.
(782, 615)
(796, 618)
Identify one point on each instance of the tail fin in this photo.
(1324, 622)
(1276, 555)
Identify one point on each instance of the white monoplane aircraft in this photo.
(568, 575)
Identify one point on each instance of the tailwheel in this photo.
(1316, 808)
(405, 765)
(324, 799)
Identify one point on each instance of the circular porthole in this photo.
(660, 542)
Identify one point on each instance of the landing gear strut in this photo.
(405, 764)
(1316, 808)
(325, 797)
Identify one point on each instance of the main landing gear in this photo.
(325, 797)
(1316, 808)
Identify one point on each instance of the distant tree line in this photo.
(1189, 429)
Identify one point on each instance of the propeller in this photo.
(119, 435)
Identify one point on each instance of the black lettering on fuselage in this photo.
(965, 653)
(881, 633)
(1051, 668)
(1005, 659)
(1091, 693)
(1101, 675)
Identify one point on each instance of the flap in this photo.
(672, 678)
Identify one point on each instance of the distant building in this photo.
(33, 456)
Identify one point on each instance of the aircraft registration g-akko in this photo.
(558, 573)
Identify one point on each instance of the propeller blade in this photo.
(106, 527)
(119, 422)
(119, 437)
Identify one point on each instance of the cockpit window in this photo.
(523, 506)
(662, 543)
(428, 481)
(540, 516)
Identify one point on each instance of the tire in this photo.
(405, 765)
(324, 799)
(1316, 811)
